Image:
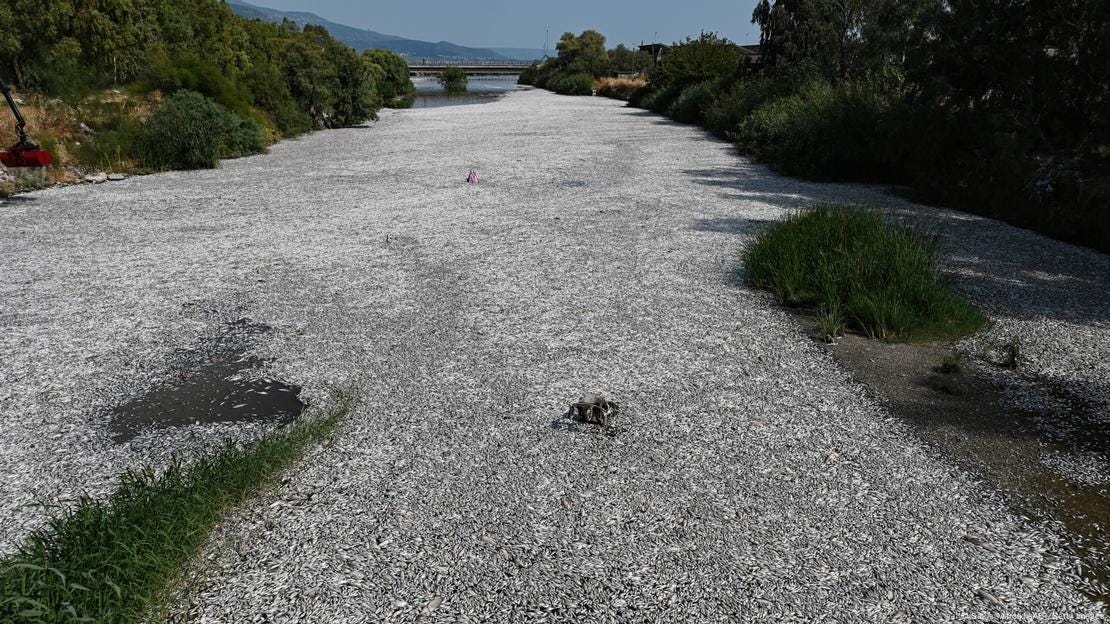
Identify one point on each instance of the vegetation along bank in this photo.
(173, 84)
(999, 110)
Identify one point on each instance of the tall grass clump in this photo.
(619, 88)
(859, 272)
(191, 131)
(115, 560)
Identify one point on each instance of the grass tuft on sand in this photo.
(859, 272)
(116, 560)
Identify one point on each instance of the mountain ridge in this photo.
(364, 39)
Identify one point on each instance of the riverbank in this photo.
(748, 473)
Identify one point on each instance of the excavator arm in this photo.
(24, 153)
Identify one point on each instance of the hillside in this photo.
(361, 39)
(520, 54)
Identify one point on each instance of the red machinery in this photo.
(24, 153)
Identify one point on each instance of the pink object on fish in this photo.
(472, 178)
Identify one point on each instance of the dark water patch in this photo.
(213, 384)
(436, 100)
(965, 416)
(479, 90)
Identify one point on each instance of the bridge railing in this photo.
(478, 63)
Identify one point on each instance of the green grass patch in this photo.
(859, 272)
(116, 560)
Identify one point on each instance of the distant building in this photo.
(752, 54)
(657, 50)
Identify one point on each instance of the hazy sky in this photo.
(521, 23)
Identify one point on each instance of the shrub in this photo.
(853, 268)
(453, 79)
(573, 84)
(640, 96)
(691, 104)
(244, 137)
(111, 150)
(619, 88)
(660, 100)
(530, 75)
(735, 101)
(187, 72)
(190, 131)
(823, 132)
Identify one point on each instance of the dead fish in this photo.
(975, 538)
(433, 604)
(989, 597)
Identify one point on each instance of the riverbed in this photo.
(748, 474)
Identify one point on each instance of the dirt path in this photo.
(748, 474)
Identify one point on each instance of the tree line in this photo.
(581, 60)
(281, 78)
(1000, 107)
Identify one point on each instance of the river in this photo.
(479, 90)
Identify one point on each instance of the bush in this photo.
(640, 96)
(691, 104)
(856, 270)
(115, 127)
(453, 79)
(110, 150)
(735, 101)
(190, 131)
(660, 100)
(244, 137)
(573, 84)
(823, 132)
(530, 75)
(187, 72)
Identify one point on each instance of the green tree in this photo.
(706, 58)
(394, 83)
(356, 97)
(812, 37)
(584, 53)
(623, 59)
(311, 78)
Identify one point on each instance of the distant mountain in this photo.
(360, 39)
(520, 54)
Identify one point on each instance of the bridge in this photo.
(471, 68)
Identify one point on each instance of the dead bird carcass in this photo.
(594, 409)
